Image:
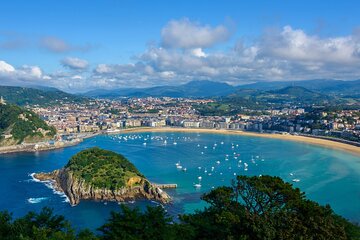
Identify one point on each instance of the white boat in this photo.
(198, 185)
(178, 163)
(144, 143)
(184, 169)
(175, 143)
(296, 180)
(218, 162)
(179, 167)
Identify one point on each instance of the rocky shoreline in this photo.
(36, 147)
(77, 189)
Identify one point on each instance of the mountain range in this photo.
(214, 89)
(309, 90)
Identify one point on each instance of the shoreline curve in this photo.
(304, 139)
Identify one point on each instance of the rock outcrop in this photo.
(76, 188)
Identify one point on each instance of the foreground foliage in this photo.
(252, 208)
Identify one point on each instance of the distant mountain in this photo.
(215, 89)
(293, 94)
(334, 87)
(37, 96)
(191, 89)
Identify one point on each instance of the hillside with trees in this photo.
(23, 96)
(18, 125)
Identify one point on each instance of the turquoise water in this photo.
(326, 175)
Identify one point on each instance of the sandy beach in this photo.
(310, 140)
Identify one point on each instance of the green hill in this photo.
(102, 168)
(19, 125)
(102, 175)
(32, 96)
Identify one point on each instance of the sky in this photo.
(83, 45)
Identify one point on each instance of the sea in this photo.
(326, 175)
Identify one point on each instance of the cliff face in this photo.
(77, 189)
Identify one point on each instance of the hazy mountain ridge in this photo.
(216, 89)
(37, 96)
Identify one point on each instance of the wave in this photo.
(36, 200)
(50, 185)
(33, 179)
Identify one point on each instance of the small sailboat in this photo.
(198, 185)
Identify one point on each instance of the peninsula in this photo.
(102, 175)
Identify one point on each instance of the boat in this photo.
(184, 169)
(218, 162)
(198, 185)
(179, 167)
(175, 143)
(296, 180)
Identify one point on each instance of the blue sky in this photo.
(82, 45)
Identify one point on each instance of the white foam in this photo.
(33, 179)
(36, 200)
(50, 184)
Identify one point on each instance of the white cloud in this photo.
(283, 54)
(23, 75)
(186, 34)
(76, 77)
(5, 67)
(74, 63)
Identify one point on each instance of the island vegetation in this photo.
(252, 208)
(102, 168)
(18, 125)
(98, 174)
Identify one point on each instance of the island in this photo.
(102, 175)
